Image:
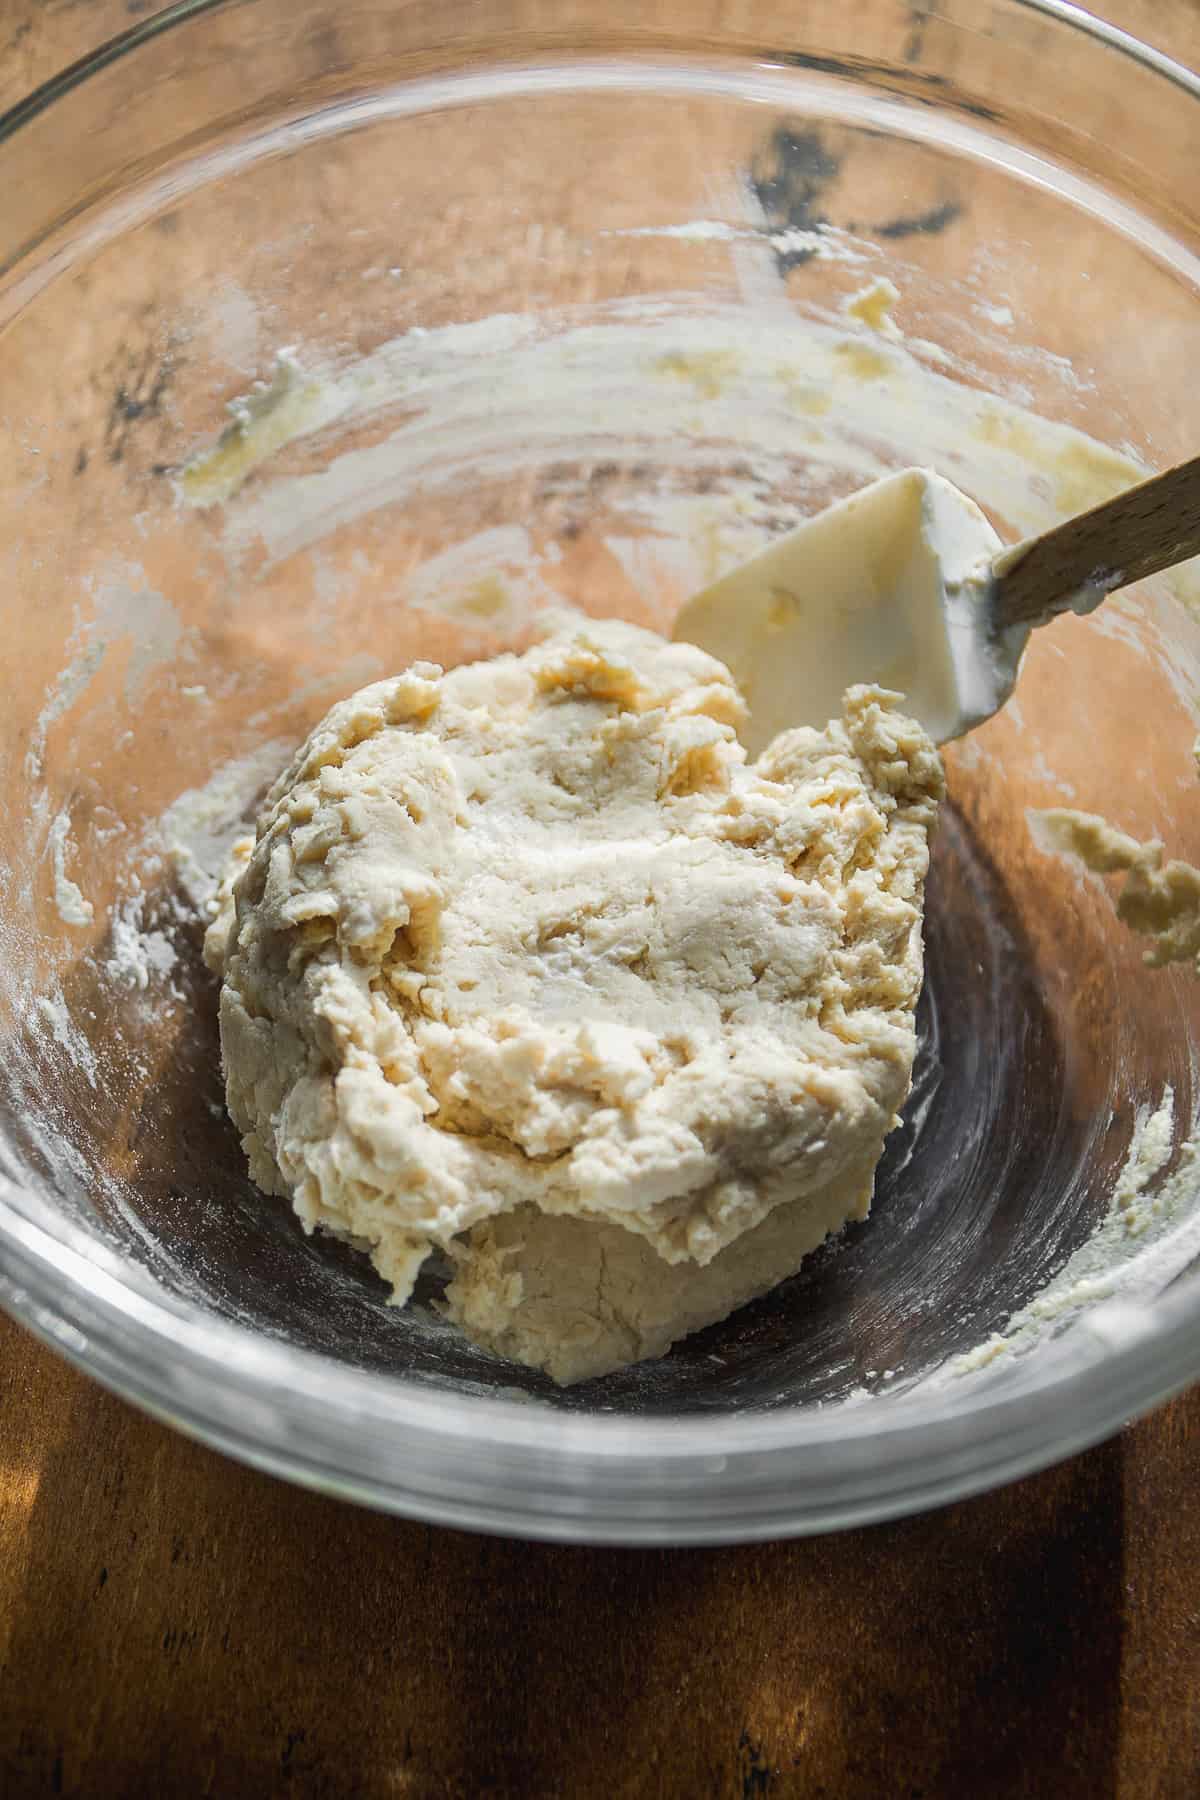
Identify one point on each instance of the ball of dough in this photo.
(526, 963)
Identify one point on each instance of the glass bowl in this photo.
(335, 335)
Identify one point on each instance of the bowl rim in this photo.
(680, 1479)
(181, 12)
(494, 1464)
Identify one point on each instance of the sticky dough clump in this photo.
(526, 963)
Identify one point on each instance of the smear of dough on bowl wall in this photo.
(465, 1010)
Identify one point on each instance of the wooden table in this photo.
(172, 1623)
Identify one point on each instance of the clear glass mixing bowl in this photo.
(567, 291)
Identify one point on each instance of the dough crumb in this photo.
(873, 305)
(1159, 899)
(526, 963)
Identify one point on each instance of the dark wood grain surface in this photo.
(172, 1623)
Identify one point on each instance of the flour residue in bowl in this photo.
(1149, 1236)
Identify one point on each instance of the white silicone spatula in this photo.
(906, 585)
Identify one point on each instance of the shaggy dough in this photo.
(526, 963)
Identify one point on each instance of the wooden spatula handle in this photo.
(1146, 529)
